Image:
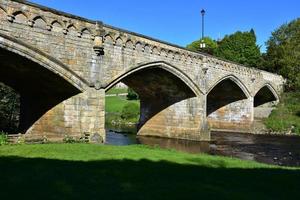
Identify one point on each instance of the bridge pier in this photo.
(79, 115)
(185, 119)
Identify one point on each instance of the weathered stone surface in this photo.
(55, 61)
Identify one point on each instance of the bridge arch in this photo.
(264, 100)
(235, 80)
(41, 81)
(163, 65)
(166, 96)
(37, 56)
(229, 104)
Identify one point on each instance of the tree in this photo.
(9, 109)
(210, 48)
(132, 95)
(283, 53)
(240, 47)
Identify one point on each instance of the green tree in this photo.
(283, 53)
(132, 95)
(211, 46)
(9, 109)
(240, 47)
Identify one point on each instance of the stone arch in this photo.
(166, 94)
(39, 21)
(234, 79)
(42, 81)
(20, 17)
(147, 48)
(57, 26)
(264, 101)
(155, 50)
(163, 65)
(108, 39)
(229, 104)
(139, 46)
(85, 33)
(266, 94)
(37, 56)
(119, 42)
(163, 53)
(72, 29)
(170, 54)
(129, 44)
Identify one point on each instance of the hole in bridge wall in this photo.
(157, 89)
(264, 103)
(39, 88)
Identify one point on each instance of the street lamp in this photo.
(202, 43)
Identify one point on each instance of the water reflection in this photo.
(279, 150)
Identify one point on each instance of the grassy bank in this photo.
(286, 115)
(83, 171)
(117, 91)
(121, 111)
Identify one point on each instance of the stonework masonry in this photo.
(85, 58)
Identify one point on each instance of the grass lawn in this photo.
(286, 115)
(85, 171)
(117, 91)
(115, 104)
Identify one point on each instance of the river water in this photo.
(278, 150)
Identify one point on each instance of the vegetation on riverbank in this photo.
(86, 171)
(286, 116)
(120, 111)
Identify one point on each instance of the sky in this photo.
(179, 21)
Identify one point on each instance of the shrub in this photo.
(3, 138)
(130, 111)
(132, 95)
(69, 139)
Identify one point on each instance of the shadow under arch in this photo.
(227, 90)
(159, 86)
(265, 94)
(41, 81)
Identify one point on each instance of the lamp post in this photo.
(202, 43)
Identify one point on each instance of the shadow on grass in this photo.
(24, 178)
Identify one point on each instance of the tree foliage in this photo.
(9, 109)
(283, 53)
(132, 95)
(211, 46)
(240, 47)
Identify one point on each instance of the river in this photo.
(277, 150)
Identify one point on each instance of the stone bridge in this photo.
(62, 65)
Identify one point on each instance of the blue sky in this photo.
(179, 21)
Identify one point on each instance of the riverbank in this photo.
(285, 118)
(121, 112)
(86, 171)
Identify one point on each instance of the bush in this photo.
(3, 138)
(286, 117)
(132, 95)
(130, 111)
(69, 139)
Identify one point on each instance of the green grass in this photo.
(117, 91)
(85, 171)
(286, 115)
(116, 104)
